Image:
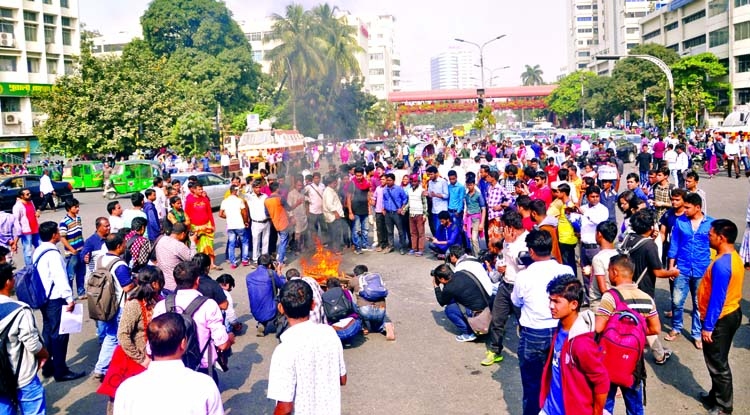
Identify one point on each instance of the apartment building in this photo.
(38, 41)
(454, 69)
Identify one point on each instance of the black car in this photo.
(626, 150)
(10, 186)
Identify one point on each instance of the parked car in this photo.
(626, 150)
(214, 185)
(10, 186)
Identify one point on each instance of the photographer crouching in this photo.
(466, 302)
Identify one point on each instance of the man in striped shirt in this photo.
(71, 237)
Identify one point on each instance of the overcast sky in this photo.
(535, 29)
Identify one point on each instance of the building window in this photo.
(634, 15)
(10, 104)
(377, 87)
(64, 4)
(47, 1)
(740, 3)
(6, 13)
(583, 7)
(651, 35)
(8, 64)
(29, 31)
(718, 37)
(49, 34)
(671, 26)
(743, 63)
(67, 37)
(376, 56)
(254, 36)
(584, 54)
(49, 19)
(377, 71)
(583, 19)
(581, 65)
(743, 95)
(585, 30)
(35, 105)
(396, 62)
(6, 26)
(693, 17)
(725, 63)
(696, 41)
(631, 45)
(716, 7)
(30, 16)
(52, 66)
(631, 30)
(32, 65)
(66, 21)
(257, 55)
(69, 69)
(675, 47)
(395, 74)
(742, 31)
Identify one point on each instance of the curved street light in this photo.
(481, 51)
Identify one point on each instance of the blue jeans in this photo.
(29, 242)
(30, 398)
(76, 269)
(533, 349)
(283, 237)
(633, 399)
(683, 285)
(359, 238)
(108, 345)
(373, 317)
(644, 177)
(233, 235)
(351, 331)
(458, 317)
(438, 249)
(406, 161)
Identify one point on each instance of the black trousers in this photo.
(48, 199)
(56, 343)
(225, 171)
(381, 230)
(501, 310)
(716, 355)
(568, 253)
(394, 219)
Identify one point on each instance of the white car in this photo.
(214, 185)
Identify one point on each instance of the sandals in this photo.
(672, 336)
(698, 344)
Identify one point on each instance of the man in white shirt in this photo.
(585, 147)
(225, 161)
(670, 156)
(161, 198)
(233, 210)
(680, 166)
(505, 271)
(732, 150)
(182, 390)
(314, 196)
(333, 213)
(51, 268)
(307, 367)
(115, 216)
(261, 226)
(47, 191)
(591, 215)
(537, 324)
(606, 232)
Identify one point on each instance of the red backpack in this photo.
(622, 343)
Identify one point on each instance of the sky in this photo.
(535, 30)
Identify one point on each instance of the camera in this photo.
(524, 259)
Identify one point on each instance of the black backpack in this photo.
(194, 351)
(8, 376)
(336, 304)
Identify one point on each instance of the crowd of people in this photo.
(527, 231)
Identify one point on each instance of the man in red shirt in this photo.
(659, 148)
(542, 191)
(198, 210)
(27, 217)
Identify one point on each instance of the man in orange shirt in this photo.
(719, 296)
(277, 213)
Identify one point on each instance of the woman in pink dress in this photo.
(710, 166)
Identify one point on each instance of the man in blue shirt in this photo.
(262, 292)
(445, 235)
(437, 190)
(689, 251)
(394, 204)
(456, 194)
(153, 229)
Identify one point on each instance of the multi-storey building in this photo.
(111, 45)
(583, 32)
(38, 41)
(722, 27)
(454, 69)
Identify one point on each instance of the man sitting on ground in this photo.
(446, 235)
(373, 313)
(457, 291)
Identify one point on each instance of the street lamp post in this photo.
(481, 51)
(664, 68)
(583, 110)
(294, 95)
(492, 72)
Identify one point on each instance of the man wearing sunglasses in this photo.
(27, 217)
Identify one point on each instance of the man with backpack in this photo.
(338, 306)
(371, 295)
(625, 364)
(574, 379)
(51, 270)
(107, 299)
(263, 286)
(22, 352)
(203, 317)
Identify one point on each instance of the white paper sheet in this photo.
(72, 322)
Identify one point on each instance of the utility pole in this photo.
(583, 111)
(644, 108)
(481, 52)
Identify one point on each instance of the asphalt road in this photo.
(425, 371)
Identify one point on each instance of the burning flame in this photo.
(322, 265)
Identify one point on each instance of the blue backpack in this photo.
(372, 287)
(29, 287)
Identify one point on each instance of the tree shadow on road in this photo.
(240, 366)
(678, 375)
(254, 402)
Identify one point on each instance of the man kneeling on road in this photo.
(457, 290)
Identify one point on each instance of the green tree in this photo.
(697, 85)
(532, 75)
(484, 120)
(566, 100)
(192, 133)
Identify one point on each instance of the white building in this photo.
(722, 27)
(454, 69)
(379, 62)
(38, 41)
(583, 32)
(112, 45)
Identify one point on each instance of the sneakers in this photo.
(402, 252)
(667, 354)
(245, 263)
(466, 337)
(411, 252)
(492, 358)
(233, 266)
(390, 331)
(418, 253)
(260, 330)
(358, 251)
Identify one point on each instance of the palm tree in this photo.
(532, 75)
(299, 54)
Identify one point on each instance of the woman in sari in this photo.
(176, 213)
(198, 212)
(710, 165)
(130, 358)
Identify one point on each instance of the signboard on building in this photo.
(253, 122)
(9, 89)
(676, 4)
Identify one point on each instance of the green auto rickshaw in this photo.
(132, 176)
(38, 169)
(84, 175)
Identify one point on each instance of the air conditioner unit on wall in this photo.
(11, 119)
(6, 40)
